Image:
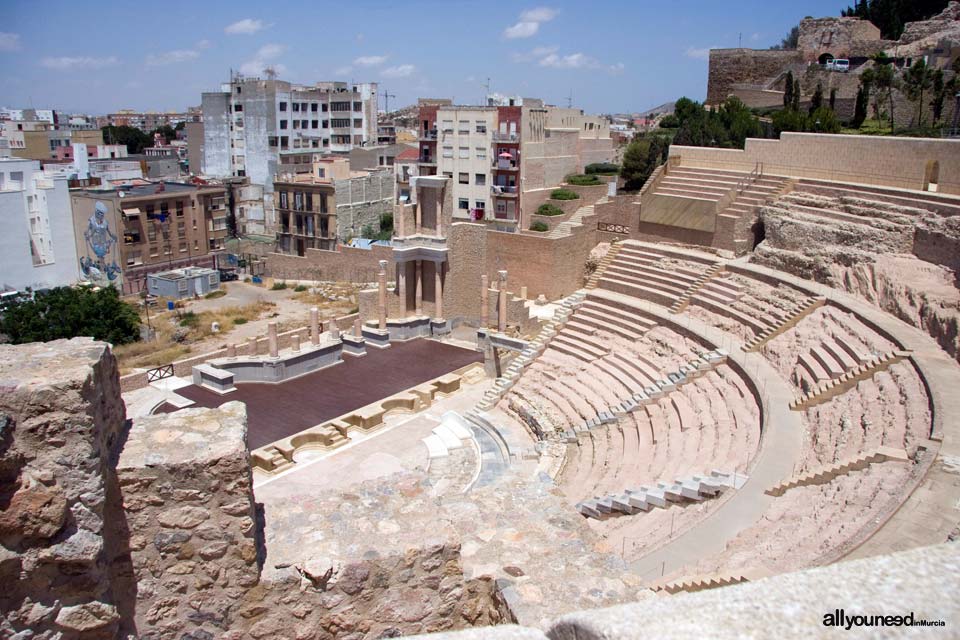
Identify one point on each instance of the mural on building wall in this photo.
(100, 264)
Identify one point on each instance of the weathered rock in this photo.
(88, 616)
(183, 517)
(34, 512)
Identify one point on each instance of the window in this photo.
(358, 106)
(448, 126)
(481, 126)
(448, 152)
(296, 124)
(464, 128)
(313, 107)
(283, 124)
(480, 179)
(464, 178)
(296, 106)
(464, 152)
(448, 174)
(283, 200)
(303, 124)
(321, 173)
(183, 247)
(481, 153)
(179, 208)
(284, 142)
(164, 210)
(314, 124)
(463, 203)
(272, 141)
(283, 106)
(357, 123)
(340, 123)
(480, 204)
(238, 108)
(339, 106)
(324, 107)
(326, 124)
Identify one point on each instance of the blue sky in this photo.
(613, 56)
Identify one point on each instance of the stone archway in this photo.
(825, 58)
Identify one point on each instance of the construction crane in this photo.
(386, 100)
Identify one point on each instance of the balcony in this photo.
(506, 137)
(503, 191)
(427, 160)
(428, 135)
(504, 163)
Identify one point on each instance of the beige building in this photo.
(465, 136)
(122, 235)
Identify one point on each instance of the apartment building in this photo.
(320, 201)
(41, 140)
(250, 122)
(497, 153)
(124, 234)
(37, 247)
(148, 120)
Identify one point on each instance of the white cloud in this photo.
(540, 14)
(536, 54)
(617, 69)
(172, 57)
(67, 63)
(552, 58)
(246, 26)
(529, 23)
(9, 41)
(521, 30)
(204, 44)
(571, 61)
(699, 53)
(265, 58)
(370, 61)
(342, 71)
(400, 71)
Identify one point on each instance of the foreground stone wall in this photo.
(188, 494)
(61, 526)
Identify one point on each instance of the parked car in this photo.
(228, 275)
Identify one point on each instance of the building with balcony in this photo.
(250, 122)
(494, 155)
(37, 248)
(320, 201)
(123, 234)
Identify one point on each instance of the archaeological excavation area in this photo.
(742, 397)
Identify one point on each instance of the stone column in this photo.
(502, 310)
(231, 350)
(255, 346)
(484, 301)
(382, 302)
(358, 327)
(314, 326)
(523, 293)
(418, 216)
(334, 330)
(295, 339)
(272, 339)
(438, 290)
(418, 288)
(439, 212)
(402, 287)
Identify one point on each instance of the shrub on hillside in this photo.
(547, 209)
(564, 194)
(583, 180)
(278, 286)
(67, 312)
(602, 168)
(539, 225)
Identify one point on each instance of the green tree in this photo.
(867, 80)
(886, 82)
(796, 95)
(860, 108)
(939, 95)
(643, 155)
(833, 99)
(790, 41)
(67, 312)
(135, 139)
(890, 16)
(788, 91)
(817, 100)
(917, 80)
(168, 133)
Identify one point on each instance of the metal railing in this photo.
(159, 373)
(744, 183)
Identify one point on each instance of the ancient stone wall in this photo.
(61, 525)
(188, 495)
(728, 67)
(840, 37)
(346, 264)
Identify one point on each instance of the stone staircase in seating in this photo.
(662, 494)
(826, 474)
(536, 346)
(732, 221)
(798, 313)
(654, 392)
(684, 300)
(566, 227)
(848, 380)
(604, 263)
(708, 581)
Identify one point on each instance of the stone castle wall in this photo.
(61, 525)
(728, 67)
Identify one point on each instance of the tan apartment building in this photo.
(124, 234)
(320, 201)
(496, 154)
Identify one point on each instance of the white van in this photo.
(838, 64)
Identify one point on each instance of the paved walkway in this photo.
(780, 444)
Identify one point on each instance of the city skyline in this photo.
(609, 59)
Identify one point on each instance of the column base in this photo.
(439, 327)
(354, 346)
(376, 338)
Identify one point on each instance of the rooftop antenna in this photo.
(740, 40)
(486, 91)
(570, 100)
(386, 100)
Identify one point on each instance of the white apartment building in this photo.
(250, 122)
(464, 135)
(37, 247)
